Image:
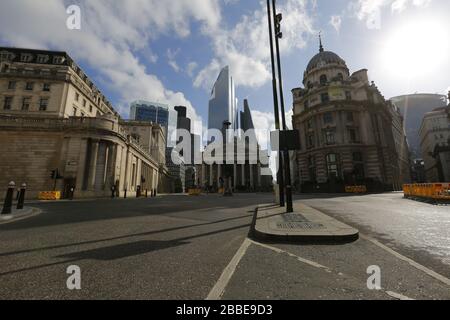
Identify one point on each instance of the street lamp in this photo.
(277, 18)
(280, 178)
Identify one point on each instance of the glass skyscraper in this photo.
(223, 103)
(151, 111)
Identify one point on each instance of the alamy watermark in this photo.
(73, 22)
(74, 280)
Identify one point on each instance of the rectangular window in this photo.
(74, 112)
(350, 117)
(84, 102)
(90, 108)
(29, 86)
(7, 105)
(330, 137)
(77, 96)
(328, 118)
(46, 87)
(43, 105)
(353, 135)
(325, 97)
(348, 95)
(311, 141)
(26, 103)
(12, 85)
(309, 124)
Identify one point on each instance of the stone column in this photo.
(235, 177)
(252, 180)
(219, 174)
(93, 163)
(203, 181)
(211, 174)
(259, 175)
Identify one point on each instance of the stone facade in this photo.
(435, 145)
(349, 133)
(52, 117)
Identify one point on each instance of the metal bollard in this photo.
(7, 207)
(125, 194)
(21, 200)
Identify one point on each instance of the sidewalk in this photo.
(17, 215)
(305, 225)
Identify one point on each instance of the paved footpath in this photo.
(191, 248)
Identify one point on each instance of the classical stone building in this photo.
(435, 144)
(52, 117)
(349, 133)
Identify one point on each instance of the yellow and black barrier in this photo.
(50, 195)
(356, 189)
(195, 192)
(428, 191)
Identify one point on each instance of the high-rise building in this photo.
(223, 103)
(413, 108)
(246, 118)
(151, 112)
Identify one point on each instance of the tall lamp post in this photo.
(280, 177)
(278, 35)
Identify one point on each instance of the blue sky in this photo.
(172, 51)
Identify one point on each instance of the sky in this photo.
(172, 51)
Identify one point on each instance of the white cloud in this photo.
(336, 22)
(191, 67)
(171, 56)
(112, 32)
(245, 46)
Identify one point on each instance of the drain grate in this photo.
(300, 225)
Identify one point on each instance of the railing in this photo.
(427, 191)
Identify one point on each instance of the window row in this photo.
(29, 86)
(329, 118)
(334, 167)
(330, 137)
(84, 102)
(325, 98)
(25, 103)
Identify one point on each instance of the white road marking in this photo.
(306, 261)
(397, 296)
(219, 288)
(416, 265)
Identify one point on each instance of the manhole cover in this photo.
(294, 218)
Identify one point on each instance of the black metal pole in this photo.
(21, 200)
(280, 178)
(7, 206)
(287, 162)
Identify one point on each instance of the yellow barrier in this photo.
(356, 189)
(194, 192)
(50, 195)
(432, 191)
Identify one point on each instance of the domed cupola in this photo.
(325, 60)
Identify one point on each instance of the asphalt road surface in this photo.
(180, 247)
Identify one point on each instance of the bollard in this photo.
(125, 194)
(21, 200)
(7, 207)
(146, 193)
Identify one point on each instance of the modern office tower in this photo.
(151, 112)
(246, 118)
(413, 108)
(223, 103)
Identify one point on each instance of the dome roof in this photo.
(324, 57)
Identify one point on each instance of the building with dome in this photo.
(350, 134)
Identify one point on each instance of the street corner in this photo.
(17, 215)
(305, 225)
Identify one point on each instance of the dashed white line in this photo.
(416, 265)
(219, 288)
(306, 261)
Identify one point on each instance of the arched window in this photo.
(323, 79)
